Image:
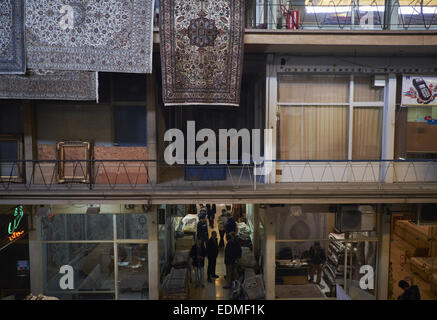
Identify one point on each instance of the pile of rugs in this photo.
(190, 223)
(54, 49)
(249, 287)
(176, 285)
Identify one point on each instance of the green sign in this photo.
(18, 215)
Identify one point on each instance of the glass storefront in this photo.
(322, 254)
(107, 253)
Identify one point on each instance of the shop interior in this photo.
(347, 242)
(413, 250)
(347, 239)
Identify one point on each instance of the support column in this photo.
(271, 115)
(382, 276)
(256, 231)
(152, 167)
(28, 139)
(153, 253)
(388, 130)
(270, 254)
(35, 255)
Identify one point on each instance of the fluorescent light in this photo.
(342, 9)
(416, 10)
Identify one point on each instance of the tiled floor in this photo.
(400, 271)
(213, 291)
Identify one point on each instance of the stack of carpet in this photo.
(176, 285)
(181, 259)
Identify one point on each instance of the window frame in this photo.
(19, 139)
(351, 104)
(60, 152)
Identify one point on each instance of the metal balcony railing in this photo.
(339, 14)
(121, 175)
(357, 171)
(342, 14)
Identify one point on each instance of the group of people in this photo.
(209, 247)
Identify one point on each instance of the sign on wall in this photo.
(419, 90)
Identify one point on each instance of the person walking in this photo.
(221, 227)
(210, 211)
(317, 259)
(232, 256)
(231, 225)
(202, 230)
(197, 254)
(212, 250)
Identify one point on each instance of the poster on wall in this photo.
(419, 91)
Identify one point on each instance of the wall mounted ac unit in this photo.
(352, 218)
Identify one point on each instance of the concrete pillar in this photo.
(28, 129)
(271, 115)
(382, 272)
(153, 253)
(152, 167)
(270, 254)
(35, 255)
(388, 129)
(255, 215)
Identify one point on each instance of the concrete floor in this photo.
(401, 270)
(214, 290)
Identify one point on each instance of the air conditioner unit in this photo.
(352, 218)
(426, 214)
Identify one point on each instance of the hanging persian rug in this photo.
(47, 85)
(110, 35)
(12, 56)
(202, 44)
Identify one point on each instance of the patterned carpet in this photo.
(201, 51)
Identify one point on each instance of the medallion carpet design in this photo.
(202, 44)
(110, 35)
(58, 85)
(12, 56)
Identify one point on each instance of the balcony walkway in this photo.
(298, 193)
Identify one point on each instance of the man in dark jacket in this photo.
(210, 211)
(232, 256)
(410, 292)
(197, 254)
(212, 253)
(202, 230)
(317, 259)
(231, 225)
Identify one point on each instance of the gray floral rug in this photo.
(58, 85)
(12, 56)
(110, 35)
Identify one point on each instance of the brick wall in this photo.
(104, 172)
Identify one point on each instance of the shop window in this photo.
(11, 155)
(364, 90)
(106, 264)
(130, 125)
(132, 226)
(367, 131)
(315, 117)
(74, 163)
(92, 270)
(315, 260)
(314, 133)
(313, 89)
(133, 277)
